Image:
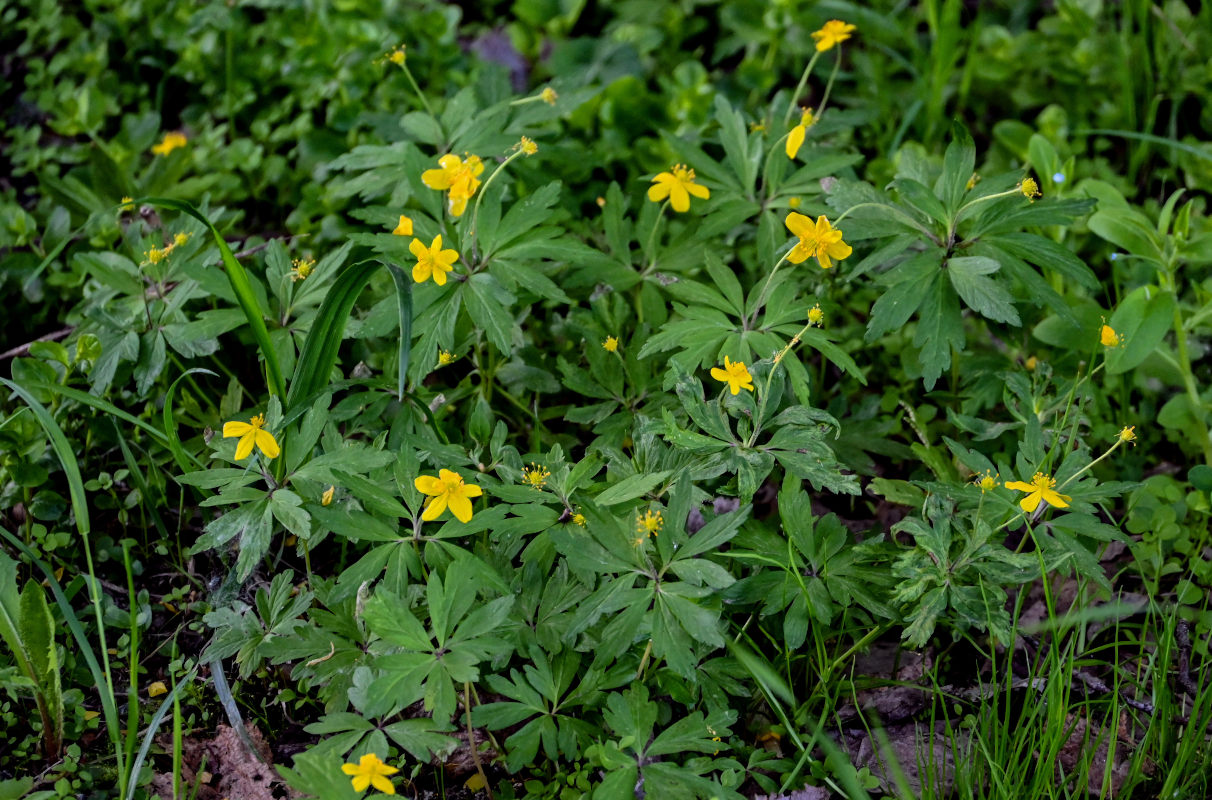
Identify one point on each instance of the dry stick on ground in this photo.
(22, 350)
(1182, 635)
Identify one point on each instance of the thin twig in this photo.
(22, 350)
(471, 738)
(1182, 635)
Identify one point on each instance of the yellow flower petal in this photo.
(795, 140)
(799, 225)
(1030, 502)
(679, 198)
(231, 429)
(1056, 499)
(460, 506)
(267, 443)
(245, 447)
(434, 507)
(658, 191)
(428, 484)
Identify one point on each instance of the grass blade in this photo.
(152, 726)
(319, 353)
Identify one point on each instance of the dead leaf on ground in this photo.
(1073, 757)
(807, 793)
(888, 662)
(915, 750)
(229, 771)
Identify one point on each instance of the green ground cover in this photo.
(563, 399)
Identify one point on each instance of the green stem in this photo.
(475, 214)
(895, 210)
(417, 89)
(799, 88)
(1118, 441)
(763, 295)
(829, 86)
(656, 225)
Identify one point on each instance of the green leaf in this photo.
(980, 293)
(959, 162)
(940, 330)
(632, 487)
(1142, 321)
(910, 282)
(486, 302)
(1128, 229)
(742, 155)
(390, 618)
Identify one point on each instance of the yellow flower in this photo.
(527, 146)
(816, 316)
(370, 771)
(128, 204)
(403, 227)
(1031, 363)
(1109, 337)
(458, 176)
(445, 357)
(171, 141)
(831, 33)
(1128, 434)
(821, 240)
(795, 139)
(156, 689)
(1029, 188)
(250, 433)
(326, 498)
(1040, 488)
(578, 519)
(432, 260)
(987, 482)
(535, 476)
(650, 522)
(611, 345)
(302, 268)
(549, 96)
(157, 254)
(734, 374)
(677, 184)
(397, 56)
(448, 489)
